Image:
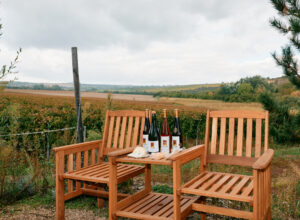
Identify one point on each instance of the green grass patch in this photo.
(162, 189)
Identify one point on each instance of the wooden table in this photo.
(146, 204)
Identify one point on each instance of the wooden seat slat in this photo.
(230, 184)
(145, 203)
(100, 172)
(165, 209)
(151, 204)
(212, 181)
(247, 191)
(189, 183)
(237, 188)
(219, 184)
(201, 180)
(135, 204)
(169, 212)
(155, 209)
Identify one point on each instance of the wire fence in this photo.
(47, 142)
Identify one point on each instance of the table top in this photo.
(146, 160)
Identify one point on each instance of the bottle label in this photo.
(165, 145)
(145, 141)
(153, 147)
(175, 143)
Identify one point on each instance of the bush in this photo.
(284, 126)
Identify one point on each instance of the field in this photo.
(26, 110)
(192, 104)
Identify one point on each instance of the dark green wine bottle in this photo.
(177, 142)
(154, 145)
(146, 131)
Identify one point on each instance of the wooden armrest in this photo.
(264, 160)
(117, 153)
(191, 153)
(73, 148)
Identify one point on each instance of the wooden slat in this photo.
(238, 114)
(219, 184)
(206, 141)
(249, 137)
(237, 189)
(123, 130)
(240, 132)
(258, 138)
(231, 136)
(85, 158)
(127, 113)
(230, 184)
(137, 203)
(151, 204)
(116, 133)
(78, 167)
(198, 183)
(247, 191)
(135, 131)
(222, 211)
(212, 181)
(129, 132)
(93, 156)
(141, 131)
(110, 132)
(266, 132)
(222, 136)
(70, 168)
(214, 135)
(231, 160)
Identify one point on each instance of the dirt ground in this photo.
(30, 213)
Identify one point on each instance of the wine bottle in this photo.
(165, 136)
(146, 131)
(176, 135)
(153, 135)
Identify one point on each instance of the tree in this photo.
(7, 70)
(289, 24)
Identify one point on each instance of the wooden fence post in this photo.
(79, 126)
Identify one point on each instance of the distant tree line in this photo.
(245, 90)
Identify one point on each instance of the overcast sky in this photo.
(148, 42)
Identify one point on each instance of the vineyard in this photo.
(27, 172)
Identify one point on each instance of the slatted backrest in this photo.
(231, 135)
(122, 129)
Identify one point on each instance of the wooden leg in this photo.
(256, 195)
(148, 178)
(176, 189)
(60, 187)
(203, 214)
(100, 201)
(112, 200)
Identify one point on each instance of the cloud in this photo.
(141, 41)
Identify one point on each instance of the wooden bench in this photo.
(232, 138)
(83, 167)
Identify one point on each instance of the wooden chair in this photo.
(234, 138)
(83, 167)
